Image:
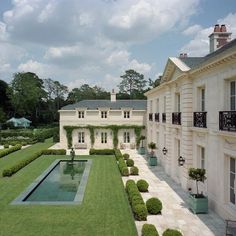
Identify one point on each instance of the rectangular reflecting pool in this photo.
(63, 182)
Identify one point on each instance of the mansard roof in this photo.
(117, 105)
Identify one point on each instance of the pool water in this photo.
(61, 184)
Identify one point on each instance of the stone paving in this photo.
(175, 212)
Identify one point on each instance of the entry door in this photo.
(232, 181)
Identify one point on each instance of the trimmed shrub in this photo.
(126, 156)
(130, 162)
(149, 230)
(15, 168)
(140, 212)
(136, 201)
(125, 171)
(172, 232)
(6, 145)
(134, 170)
(7, 151)
(54, 152)
(154, 206)
(93, 151)
(118, 154)
(142, 185)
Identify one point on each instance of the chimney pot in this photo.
(223, 28)
(217, 28)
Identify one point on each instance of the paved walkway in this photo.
(175, 212)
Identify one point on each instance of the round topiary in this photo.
(6, 145)
(154, 206)
(130, 162)
(140, 212)
(142, 185)
(125, 171)
(172, 232)
(126, 156)
(134, 170)
(149, 230)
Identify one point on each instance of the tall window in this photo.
(177, 99)
(202, 158)
(126, 114)
(233, 95)
(164, 104)
(103, 114)
(232, 181)
(81, 137)
(103, 137)
(81, 114)
(126, 137)
(157, 106)
(202, 94)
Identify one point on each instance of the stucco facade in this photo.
(104, 114)
(192, 99)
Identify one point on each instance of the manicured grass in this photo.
(105, 210)
(23, 154)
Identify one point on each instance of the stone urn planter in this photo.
(198, 203)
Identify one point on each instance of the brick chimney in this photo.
(183, 55)
(113, 96)
(219, 37)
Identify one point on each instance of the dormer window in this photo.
(126, 114)
(103, 114)
(80, 114)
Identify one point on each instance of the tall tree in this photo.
(26, 93)
(5, 103)
(87, 92)
(132, 83)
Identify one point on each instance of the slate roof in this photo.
(193, 62)
(95, 104)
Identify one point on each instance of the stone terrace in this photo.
(175, 212)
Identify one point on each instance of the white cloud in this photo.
(199, 45)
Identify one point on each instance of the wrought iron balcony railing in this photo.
(227, 120)
(176, 118)
(150, 116)
(163, 117)
(200, 119)
(157, 117)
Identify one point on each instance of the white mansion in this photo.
(192, 115)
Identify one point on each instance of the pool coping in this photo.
(78, 197)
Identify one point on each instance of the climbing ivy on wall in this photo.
(114, 128)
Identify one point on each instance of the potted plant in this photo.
(141, 149)
(152, 159)
(198, 203)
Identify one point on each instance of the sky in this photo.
(95, 41)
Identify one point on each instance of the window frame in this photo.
(126, 114)
(126, 137)
(81, 114)
(104, 114)
(103, 137)
(232, 96)
(81, 137)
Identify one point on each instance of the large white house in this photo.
(192, 114)
(102, 123)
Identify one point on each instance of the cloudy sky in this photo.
(95, 41)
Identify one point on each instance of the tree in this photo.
(2, 116)
(26, 93)
(5, 103)
(87, 92)
(132, 83)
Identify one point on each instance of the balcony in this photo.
(157, 117)
(150, 117)
(163, 117)
(176, 118)
(200, 119)
(227, 121)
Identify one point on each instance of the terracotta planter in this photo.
(198, 205)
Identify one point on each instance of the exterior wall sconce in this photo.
(181, 161)
(164, 150)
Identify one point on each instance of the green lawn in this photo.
(23, 154)
(104, 211)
